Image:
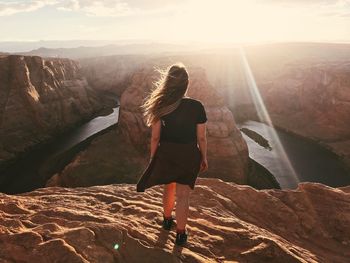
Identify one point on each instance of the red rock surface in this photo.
(311, 100)
(227, 223)
(40, 98)
(227, 150)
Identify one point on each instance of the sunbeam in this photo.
(287, 182)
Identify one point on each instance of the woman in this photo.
(178, 145)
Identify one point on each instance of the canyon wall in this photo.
(227, 223)
(311, 100)
(40, 98)
(305, 88)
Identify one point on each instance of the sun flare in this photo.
(242, 21)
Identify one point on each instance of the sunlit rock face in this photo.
(227, 150)
(40, 98)
(227, 223)
(312, 100)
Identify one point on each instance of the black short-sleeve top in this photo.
(180, 125)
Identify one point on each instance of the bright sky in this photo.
(177, 20)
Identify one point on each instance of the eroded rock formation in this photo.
(40, 98)
(227, 222)
(227, 150)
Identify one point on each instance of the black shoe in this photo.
(181, 239)
(167, 223)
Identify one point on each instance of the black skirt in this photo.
(172, 162)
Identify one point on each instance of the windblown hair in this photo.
(166, 93)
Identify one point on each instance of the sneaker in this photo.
(181, 238)
(167, 223)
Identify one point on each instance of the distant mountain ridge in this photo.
(302, 50)
(106, 50)
(25, 46)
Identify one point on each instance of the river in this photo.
(292, 160)
(29, 172)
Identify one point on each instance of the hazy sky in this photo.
(166, 20)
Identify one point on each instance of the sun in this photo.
(235, 21)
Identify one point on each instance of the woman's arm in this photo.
(202, 139)
(155, 137)
(202, 142)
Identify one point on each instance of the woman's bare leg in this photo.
(182, 205)
(169, 198)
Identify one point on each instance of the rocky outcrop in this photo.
(40, 98)
(121, 155)
(227, 222)
(311, 100)
(227, 150)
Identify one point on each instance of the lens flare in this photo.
(285, 182)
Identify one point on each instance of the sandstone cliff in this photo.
(40, 98)
(227, 223)
(311, 100)
(227, 150)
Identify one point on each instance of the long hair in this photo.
(166, 93)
